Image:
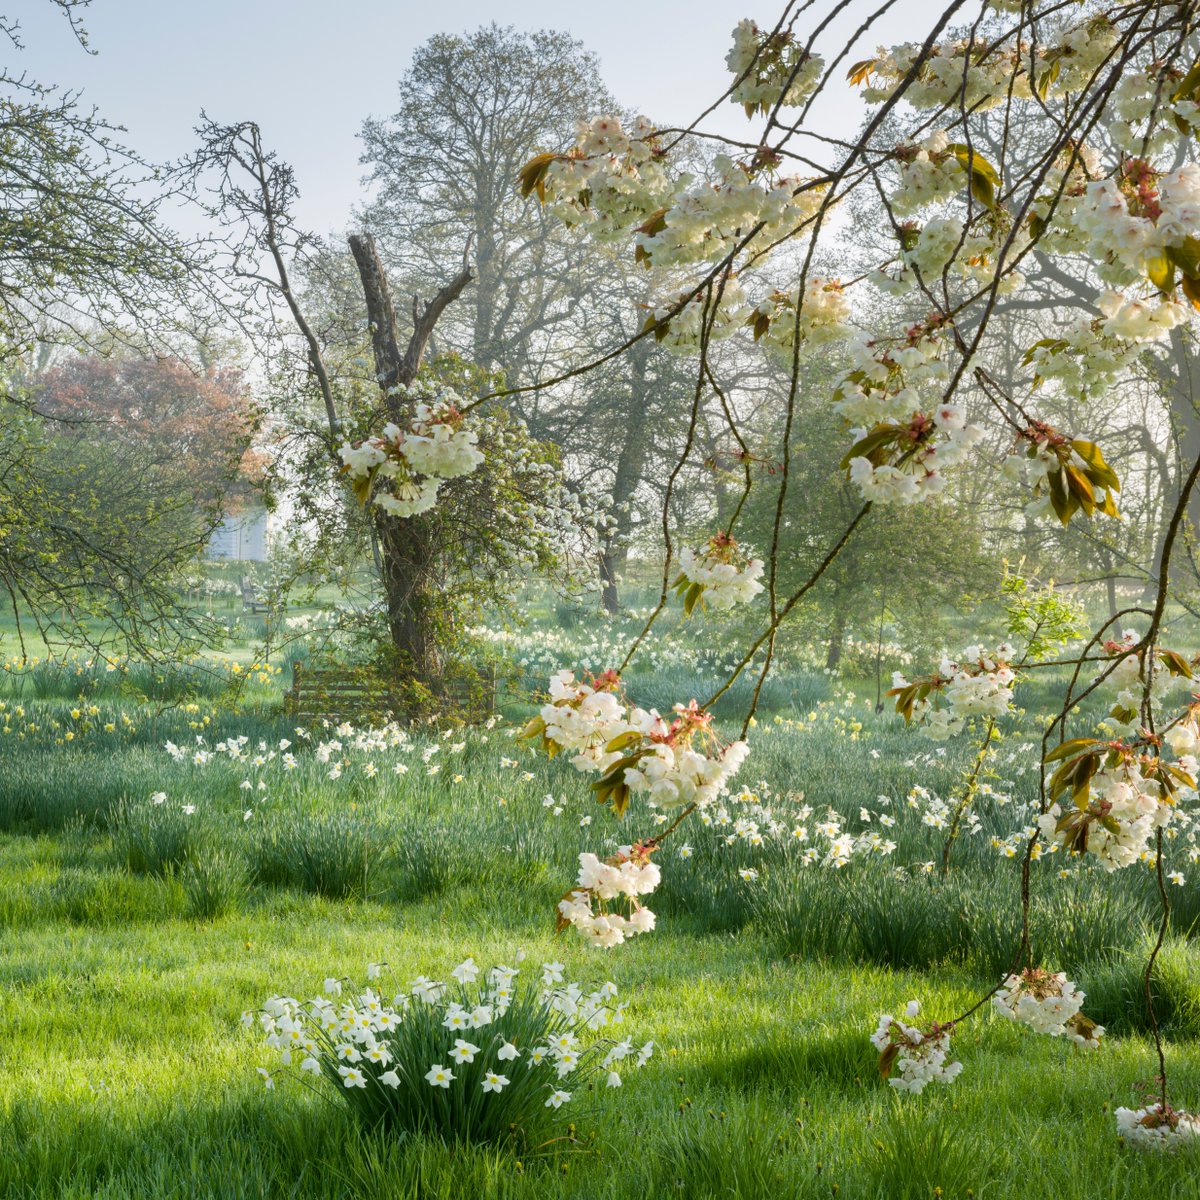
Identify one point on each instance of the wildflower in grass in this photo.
(1176, 877)
(363, 1041)
(463, 1052)
(466, 972)
(440, 1076)
(457, 1018)
(268, 1082)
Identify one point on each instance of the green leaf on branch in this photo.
(623, 741)
(985, 179)
(1070, 748)
(1176, 664)
(887, 1060)
(1098, 471)
(535, 729)
(532, 177)
(1160, 270)
(1186, 256)
(871, 446)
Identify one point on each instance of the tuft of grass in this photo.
(215, 881)
(336, 855)
(152, 839)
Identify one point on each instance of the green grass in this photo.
(131, 940)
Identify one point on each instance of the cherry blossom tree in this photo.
(1107, 191)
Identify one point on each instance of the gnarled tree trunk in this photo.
(408, 546)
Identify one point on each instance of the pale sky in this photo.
(310, 71)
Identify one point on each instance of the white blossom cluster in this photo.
(957, 74)
(890, 397)
(1133, 320)
(673, 774)
(775, 67)
(1085, 360)
(1048, 1003)
(1126, 811)
(725, 578)
(356, 1041)
(1128, 221)
(584, 718)
(402, 470)
(929, 174)
(1156, 1128)
(979, 685)
(981, 74)
(611, 181)
(1126, 679)
(1141, 96)
(603, 730)
(917, 1057)
(586, 908)
(887, 381)
(705, 217)
(821, 316)
(939, 442)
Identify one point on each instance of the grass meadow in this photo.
(148, 896)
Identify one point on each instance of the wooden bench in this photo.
(360, 696)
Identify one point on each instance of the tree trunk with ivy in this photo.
(408, 547)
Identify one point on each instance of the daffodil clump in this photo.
(488, 1057)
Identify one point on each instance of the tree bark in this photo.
(631, 462)
(837, 638)
(1180, 376)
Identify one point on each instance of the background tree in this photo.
(433, 569)
(196, 426)
(444, 167)
(94, 530)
